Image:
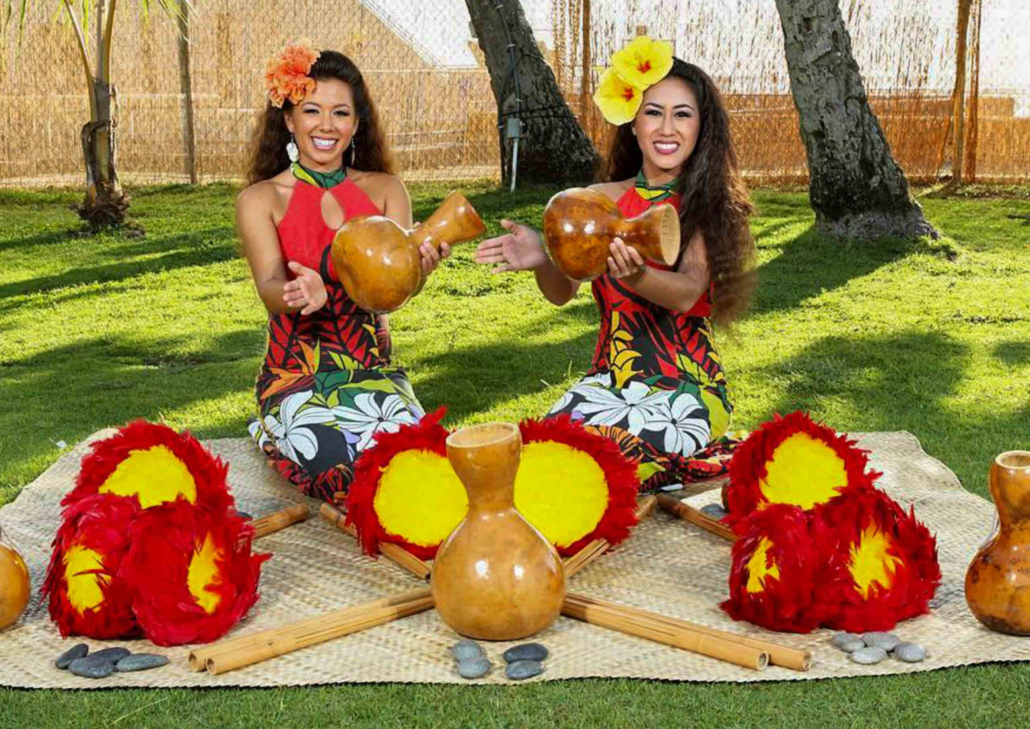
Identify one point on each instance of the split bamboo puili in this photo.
(278, 520)
(689, 513)
(649, 626)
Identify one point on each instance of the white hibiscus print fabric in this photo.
(373, 413)
(290, 431)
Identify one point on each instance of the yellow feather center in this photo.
(803, 471)
(84, 586)
(203, 573)
(420, 498)
(758, 567)
(870, 562)
(155, 475)
(561, 491)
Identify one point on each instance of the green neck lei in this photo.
(319, 179)
(654, 193)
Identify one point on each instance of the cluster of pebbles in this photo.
(524, 661)
(871, 648)
(103, 663)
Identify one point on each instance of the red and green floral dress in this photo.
(656, 385)
(326, 388)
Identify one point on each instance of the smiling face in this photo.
(667, 125)
(323, 124)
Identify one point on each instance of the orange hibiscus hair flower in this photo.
(286, 73)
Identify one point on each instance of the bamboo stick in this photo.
(597, 547)
(689, 513)
(779, 655)
(277, 520)
(199, 656)
(398, 554)
(247, 650)
(583, 608)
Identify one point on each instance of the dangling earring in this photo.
(291, 149)
(353, 150)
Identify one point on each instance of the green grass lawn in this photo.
(930, 337)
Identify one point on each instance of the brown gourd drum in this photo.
(580, 224)
(15, 587)
(495, 577)
(998, 578)
(378, 261)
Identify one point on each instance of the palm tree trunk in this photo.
(104, 203)
(553, 147)
(856, 188)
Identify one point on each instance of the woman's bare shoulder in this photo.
(268, 192)
(376, 184)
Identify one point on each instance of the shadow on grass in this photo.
(42, 239)
(810, 264)
(1013, 353)
(470, 380)
(899, 381)
(213, 245)
(71, 391)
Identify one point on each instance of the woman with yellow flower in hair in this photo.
(320, 157)
(656, 385)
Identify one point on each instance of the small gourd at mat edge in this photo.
(998, 578)
(15, 587)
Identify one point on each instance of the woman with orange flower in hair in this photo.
(656, 385)
(320, 157)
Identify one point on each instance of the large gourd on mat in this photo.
(14, 585)
(495, 577)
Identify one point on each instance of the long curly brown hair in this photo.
(268, 145)
(715, 200)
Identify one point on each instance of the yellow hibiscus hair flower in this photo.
(644, 61)
(617, 99)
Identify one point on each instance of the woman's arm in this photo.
(522, 249)
(260, 239)
(678, 290)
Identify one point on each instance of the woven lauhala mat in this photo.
(667, 566)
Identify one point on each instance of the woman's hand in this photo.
(521, 249)
(431, 257)
(625, 262)
(306, 290)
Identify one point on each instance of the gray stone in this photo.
(887, 641)
(850, 646)
(525, 652)
(839, 640)
(90, 667)
(111, 655)
(909, 652)
(74, 653)
(465, 649)
(474, 667)
(520, 670)
(869, 655)
(141, 662)
(714, 511)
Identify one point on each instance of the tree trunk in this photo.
(105, 203)
(553, 147)
(186, 87)
(856, 188)
(958, 95)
